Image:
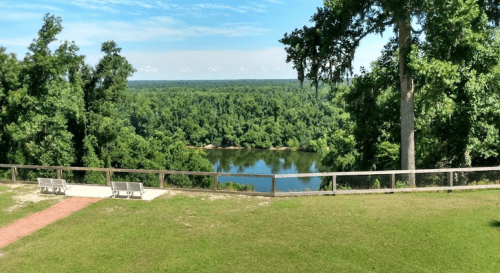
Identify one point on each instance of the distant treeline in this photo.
(209, 83)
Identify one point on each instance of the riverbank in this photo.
(212, 146)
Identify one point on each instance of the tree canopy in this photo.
(57, 110)
(453, 39)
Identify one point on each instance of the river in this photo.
(266, 162)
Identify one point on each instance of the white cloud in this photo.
(185, 70)
(6, 15)
(162, 19)
(151, 29)
(16, 42)
(218, 7)
(148, 69)
(213, 64)
(145, 5)
(28, 6)
(98, 7)
(193, 9)
(234, 31)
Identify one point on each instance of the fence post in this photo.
(334, 184)
(162, 176)
(216, 181)
(273, 185)
(59, 173)
(13, 171)
(450, 178)
(393, 180)
(108, 178)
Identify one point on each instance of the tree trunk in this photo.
(407, 102)
(497, 18)
(316, 86)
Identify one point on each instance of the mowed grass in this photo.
(421, 232)
(9, 213)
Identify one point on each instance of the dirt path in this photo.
(36, 221)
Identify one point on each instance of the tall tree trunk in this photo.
(407, 102)
(316, 86)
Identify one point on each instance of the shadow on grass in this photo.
(495, 223)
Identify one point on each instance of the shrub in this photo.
(233, 186)
(344, 187)
(403, 184)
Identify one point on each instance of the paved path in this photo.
(105, 192)
(36, 221)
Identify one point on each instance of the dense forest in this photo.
(251, 114)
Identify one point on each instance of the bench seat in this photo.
(55, 184)
(59, 184)
(45, 184)
(128, 187)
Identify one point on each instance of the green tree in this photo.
(295, 49)
(45, 103)
(351, 21)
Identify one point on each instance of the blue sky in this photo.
(177, 40)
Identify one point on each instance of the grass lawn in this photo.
(12, 209)
(418, 232)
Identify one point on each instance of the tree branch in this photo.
(383, 24)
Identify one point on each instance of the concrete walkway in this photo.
(105, 192)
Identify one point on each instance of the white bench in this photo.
(128, 187)
(58, 184)
(45, 184)
(55, 184)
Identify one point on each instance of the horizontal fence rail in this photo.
(274, 177)
(477, 169)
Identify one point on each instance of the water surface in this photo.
(266, 162)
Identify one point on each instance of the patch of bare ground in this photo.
(26, 194)
(212, 196)
(258, 201)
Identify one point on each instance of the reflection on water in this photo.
(266, 162)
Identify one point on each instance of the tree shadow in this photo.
(495, 223)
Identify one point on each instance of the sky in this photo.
(177, 40)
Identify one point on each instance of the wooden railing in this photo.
(215, 175)
(392, 189)
(110, 171)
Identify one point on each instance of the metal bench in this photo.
(58, 184)
(55, 184)
(116, 187)
(45, 184)
(135, 186)
(128, 187)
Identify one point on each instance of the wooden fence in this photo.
(161, 175)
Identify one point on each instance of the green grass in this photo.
(418, 232)
(7, 201)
